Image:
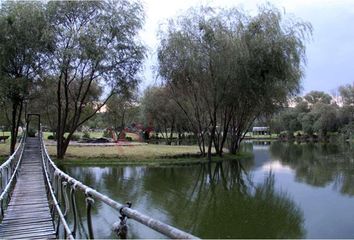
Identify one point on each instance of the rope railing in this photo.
(57, 215)
(60, 181)
(9, 171)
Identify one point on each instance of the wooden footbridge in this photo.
(37, 198)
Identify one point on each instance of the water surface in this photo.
(284, 191)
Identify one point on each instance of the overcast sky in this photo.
(330, 53)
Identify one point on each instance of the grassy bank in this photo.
(136, 155)
(147, 154)
(138, 152)
(4, 150)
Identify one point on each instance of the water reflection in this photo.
(319, 164)
(210, 201)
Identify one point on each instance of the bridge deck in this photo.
(28, 214)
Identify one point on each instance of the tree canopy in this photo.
(82, 52)
(23, 40)
(226, 67)
(96, 55)
(314, 97)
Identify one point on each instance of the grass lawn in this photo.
(113, 155)
(137, 152)
(5, 148)
(149, 154)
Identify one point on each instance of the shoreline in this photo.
(158, 161)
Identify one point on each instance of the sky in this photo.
(330, 51)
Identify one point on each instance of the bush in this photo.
(107, 134)
(51, 137)
(75, 137)
(86, 135)
(129, 139)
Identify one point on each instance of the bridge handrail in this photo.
(11, 165)
(157, 225)
(9, 160)
(68, 232)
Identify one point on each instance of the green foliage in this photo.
(97, 122)
(75, 137)
(307, 122)
(86, 134)
(314, 97)
(23, 40)
(226, 67)
(51, 137)
(161, 112)
(347, 94)
(326, 118)
(96, 56)
(320, 117)
(107, 133)
(122, 111)
(23, 35)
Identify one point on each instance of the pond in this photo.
(284, 191)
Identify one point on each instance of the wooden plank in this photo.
(28, 214)
(12, 231)
(30, 235)
(30, 221)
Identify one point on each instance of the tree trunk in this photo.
(216, 144)
(179, 137)
(227, 120)
(13, 127)
(171, 134)
(15, 124)
(211, 139)
(235, 138)
(60, 153)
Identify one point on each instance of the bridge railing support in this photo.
(54, 186)
(72, 186)
(9, 171)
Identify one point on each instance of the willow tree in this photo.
(96, 55)
(23, 39)
(226, 68)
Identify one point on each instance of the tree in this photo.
(226, 68)
(307, 123)
(121, 111)
(314, 97)
(42, 94)
(23, 40)
(96, 55)
(325, 118)
(160, 111)
(347, 94)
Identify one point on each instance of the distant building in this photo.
(260, 131)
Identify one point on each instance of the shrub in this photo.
(129, 139)
(86, 135)
(51, 137)
(75, 137)
(107, 134)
